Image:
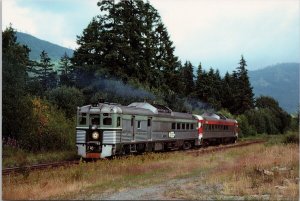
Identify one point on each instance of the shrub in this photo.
(291, 137)
(67, 99)
(245, 129)
(49, 130)
(263, 120)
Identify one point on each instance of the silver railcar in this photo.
(107, 129)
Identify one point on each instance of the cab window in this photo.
(95, 119)
(82, 119)
(107, 121)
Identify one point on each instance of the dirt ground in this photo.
(176, 189)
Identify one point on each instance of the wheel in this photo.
(187, 145)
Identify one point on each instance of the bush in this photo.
(67, 99)
(49, 130)
(292, 137)
(263, 120)
(245, 129)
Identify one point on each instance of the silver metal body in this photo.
(106, 129)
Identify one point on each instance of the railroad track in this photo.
(12, 170)
(8, 171)
(223, 147)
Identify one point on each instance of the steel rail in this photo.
(218, 148)
(12, 170)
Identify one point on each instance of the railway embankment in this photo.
(259, 171)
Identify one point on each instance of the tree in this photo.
(245, 96)
(66, 99)
(187, 76)
(281, 118)
(229, 90)
(66, 70)
(16, 111)
(126, 40)
(44, 75)
(212, 88)
(199, 83)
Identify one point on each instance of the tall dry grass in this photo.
(237, 169)
(101, 175)
(272, 170)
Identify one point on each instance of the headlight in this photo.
(95, 135)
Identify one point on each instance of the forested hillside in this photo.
(37, 45)
(280, 81)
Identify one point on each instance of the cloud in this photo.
(50, 20)
(216, 33)
(212, 32)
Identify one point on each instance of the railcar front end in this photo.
(98, 129)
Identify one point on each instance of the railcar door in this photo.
(149, 126)
(133, 127)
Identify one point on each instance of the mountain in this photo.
(55, 52)
(280, 81)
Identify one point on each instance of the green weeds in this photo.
(13, 156)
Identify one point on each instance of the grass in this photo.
(237, 171)
(17, 157)
(288, 137)
(100, 176)
(240, 172)
(246, 175)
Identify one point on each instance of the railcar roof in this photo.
(144, 108)
(137, 108)
(214, 116)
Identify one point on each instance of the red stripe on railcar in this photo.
(93, 155)
(219, 123)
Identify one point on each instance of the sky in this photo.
(214, 33)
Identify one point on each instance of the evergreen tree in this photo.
(16, 107)
(127, 40)
(187, 76)
(199, 85)
(44, 73)
(212, 88)
(66, 70)
(245, 96)
(89, 57)
(227, 92)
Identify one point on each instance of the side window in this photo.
(139, 124)
(178, 126)
(183, 125)
(118, 121)
(187, 126)
(173, 126)
(192, 126)
(149, 122)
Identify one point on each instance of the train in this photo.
(105, 130)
